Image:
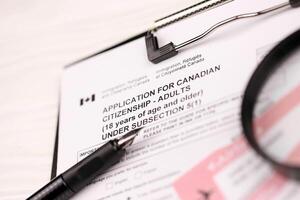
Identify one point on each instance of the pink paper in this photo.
(203, 181)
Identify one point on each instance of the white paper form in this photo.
(188, 105)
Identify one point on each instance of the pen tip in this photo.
(127, 139)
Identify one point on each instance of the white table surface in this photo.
(37, 39)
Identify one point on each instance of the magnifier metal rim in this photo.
(266, 67)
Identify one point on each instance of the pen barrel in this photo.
(75, 178)
(92, 166)
(56, 189)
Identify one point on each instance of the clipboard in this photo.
(208, 67)
(163, 52)
(151, 42)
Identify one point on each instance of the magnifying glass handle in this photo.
(295, 3)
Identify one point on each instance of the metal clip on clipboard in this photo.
(157, 54)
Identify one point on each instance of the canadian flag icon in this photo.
(85, 100)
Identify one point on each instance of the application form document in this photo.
(191, 146)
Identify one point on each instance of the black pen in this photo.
(78, 176)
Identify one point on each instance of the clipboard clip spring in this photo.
(158, 54)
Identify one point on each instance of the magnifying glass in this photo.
(271, 107)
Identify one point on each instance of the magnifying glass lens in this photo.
(276, 121)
